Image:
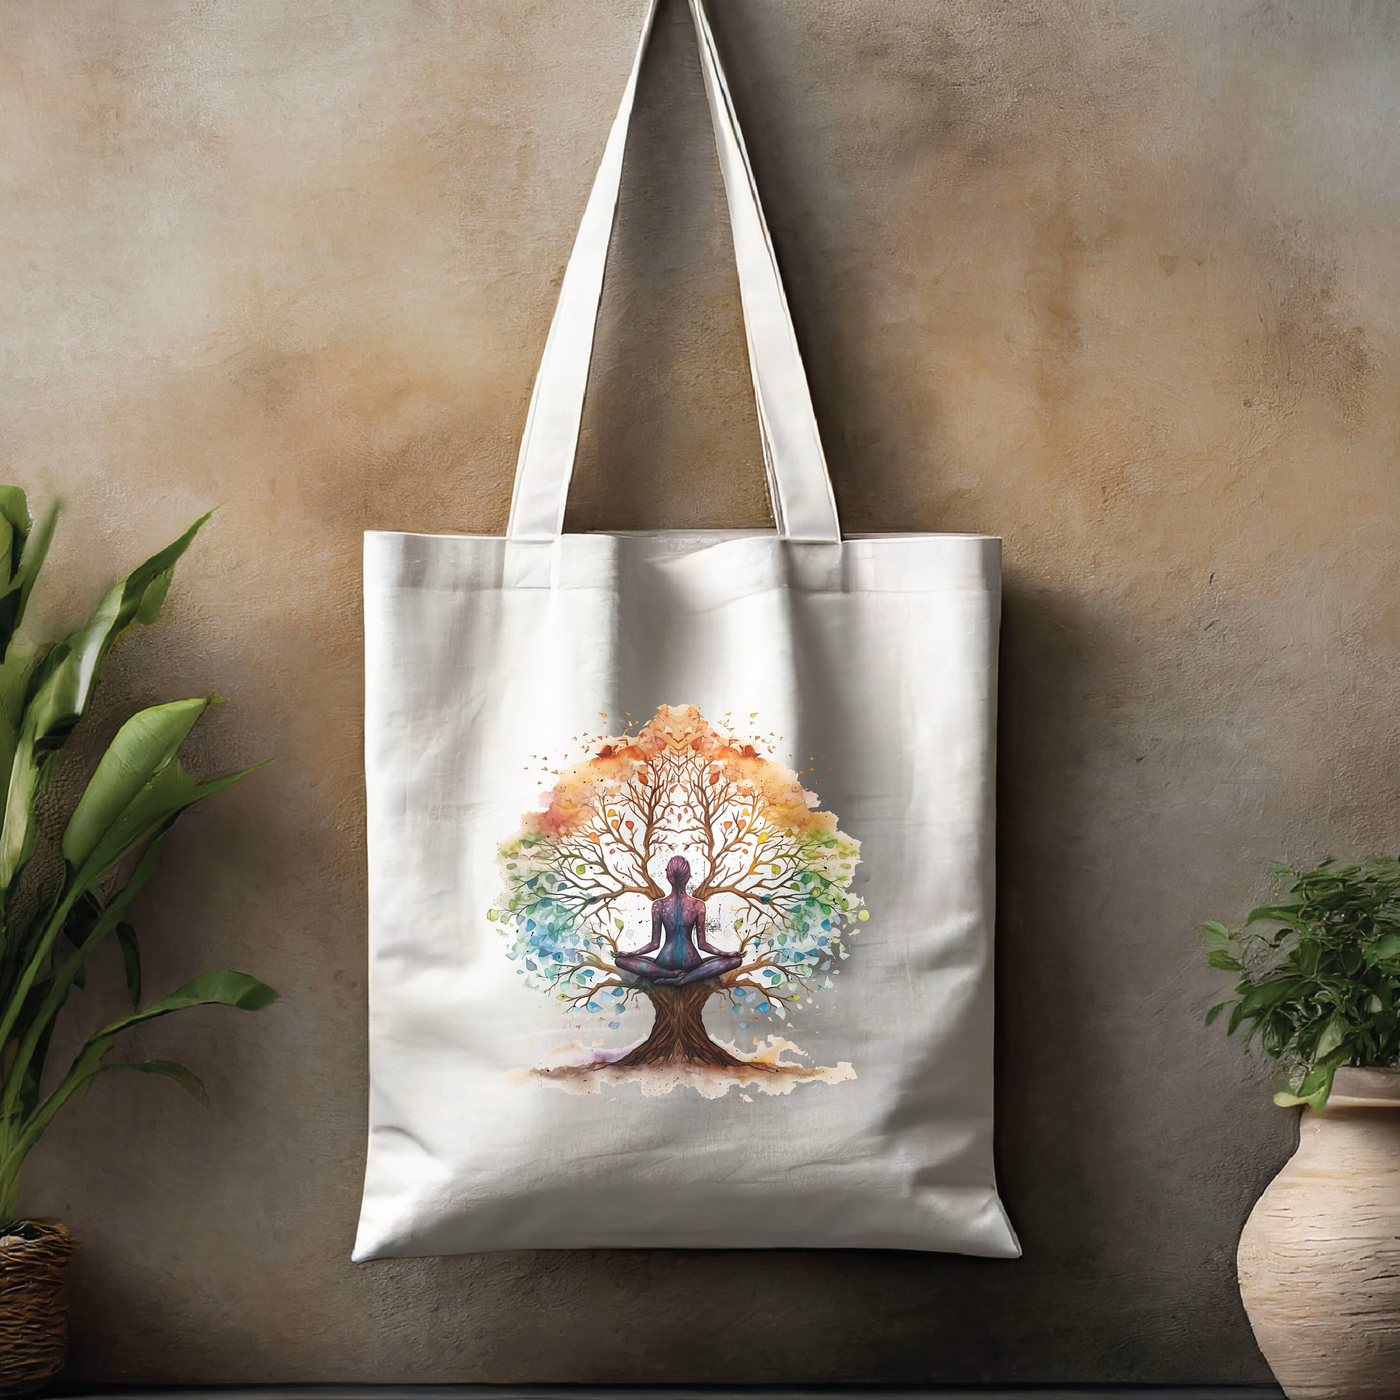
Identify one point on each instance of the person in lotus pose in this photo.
(678, 916)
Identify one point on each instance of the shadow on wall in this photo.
(1126, 1171)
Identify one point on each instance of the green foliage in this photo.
(81, 891)
(1318, 973)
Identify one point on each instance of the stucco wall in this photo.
(1117, 282)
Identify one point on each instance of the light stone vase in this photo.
(1319, 1259)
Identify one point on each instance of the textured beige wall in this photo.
(1116, 281)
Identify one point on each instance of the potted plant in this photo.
(1318, 987)
(67, 882)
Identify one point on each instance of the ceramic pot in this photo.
(1319, 1259)
(33, 1305)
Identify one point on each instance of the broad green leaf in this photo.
(1272, 914)
(115, 815)
(153, 599)
(23, 552)
(1222, 961)
(16, 672)
(14, 531)
(141, 751)
(171, 1069)
(14, 526)
(1384, 949)
(1266, 994)
(63, 685)
(1316, 1086)
(1333, 1033)
(234, 989)
(1215, 1011)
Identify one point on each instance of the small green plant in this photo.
(1319, 973)
(66, 885)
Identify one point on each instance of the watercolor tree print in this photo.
(677, 870)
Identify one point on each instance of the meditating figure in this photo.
(677, 916)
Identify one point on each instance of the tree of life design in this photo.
(677, 868)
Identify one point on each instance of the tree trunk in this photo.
(678, 1036)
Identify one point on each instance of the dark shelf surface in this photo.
(670, 1392)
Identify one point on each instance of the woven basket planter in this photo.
(33, 1305)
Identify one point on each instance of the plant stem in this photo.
(64, 977)
(9, 1177)
(26, 981)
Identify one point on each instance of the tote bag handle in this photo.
(799, 484)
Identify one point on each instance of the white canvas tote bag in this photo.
(680, 848)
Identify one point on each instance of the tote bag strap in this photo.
(799, 484)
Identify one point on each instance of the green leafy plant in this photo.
(66, 886)
(1319, 973)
